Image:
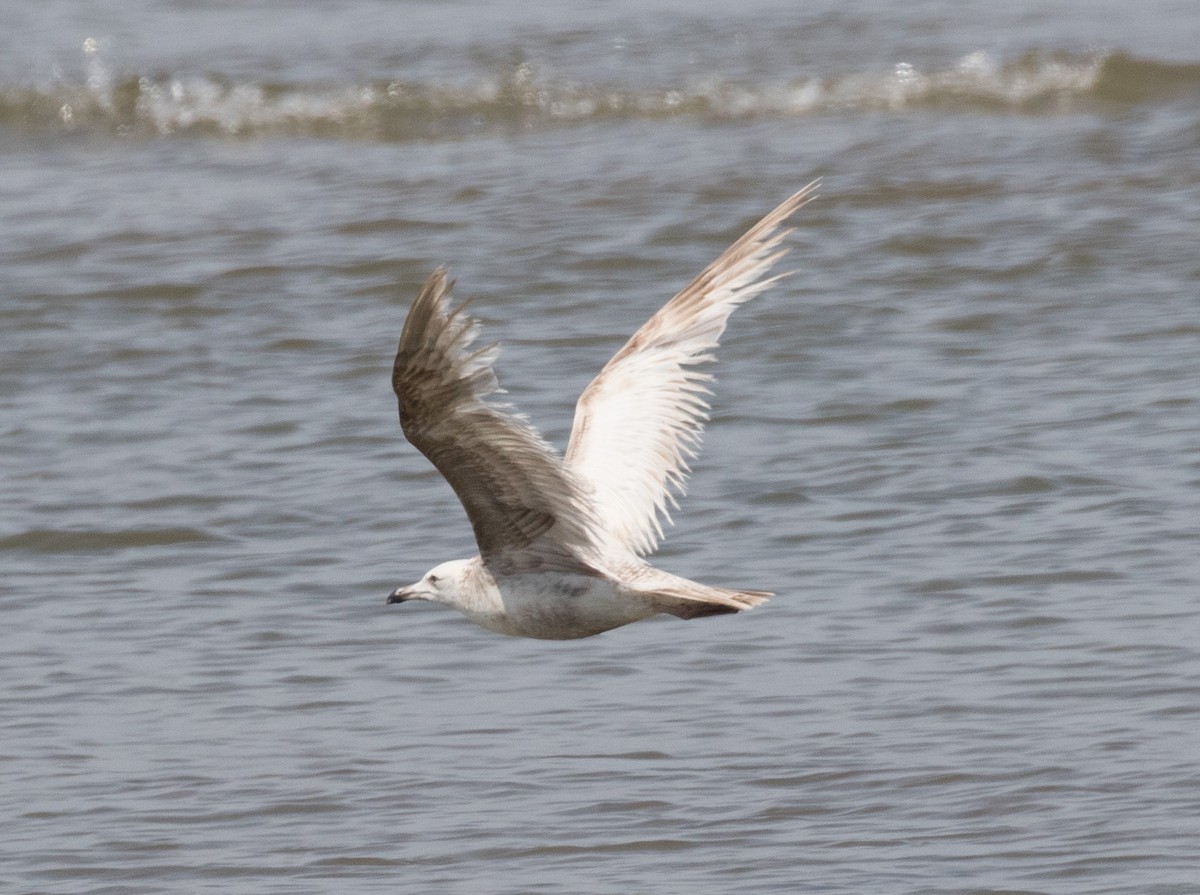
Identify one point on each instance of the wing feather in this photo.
(517, 493)
(641, 419)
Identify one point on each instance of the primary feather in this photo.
(513, 485)
(641, 419)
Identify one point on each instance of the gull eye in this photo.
(433, 579)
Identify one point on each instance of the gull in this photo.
(562, 538)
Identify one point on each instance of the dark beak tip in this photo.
(396, 596)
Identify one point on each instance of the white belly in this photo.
(556, 607)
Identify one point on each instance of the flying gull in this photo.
(561, 539)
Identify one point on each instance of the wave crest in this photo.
(519, 98)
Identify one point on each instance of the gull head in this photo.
(441, 584)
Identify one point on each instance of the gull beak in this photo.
(399, 595)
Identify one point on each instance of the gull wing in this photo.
(514, 487)
(641, 419)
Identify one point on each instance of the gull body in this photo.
(554, 606)
(562, 539)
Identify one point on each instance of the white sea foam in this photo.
(520, 96)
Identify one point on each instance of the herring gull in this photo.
(561, 538)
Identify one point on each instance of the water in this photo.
(961, 445)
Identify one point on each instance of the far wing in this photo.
(641, 419)
(514, 487)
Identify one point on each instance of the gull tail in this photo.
(691, 599)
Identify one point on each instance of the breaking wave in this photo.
(518, 97)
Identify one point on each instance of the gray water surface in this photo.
(961, 444)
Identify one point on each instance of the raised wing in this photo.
(641, 419)
(514, 487)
